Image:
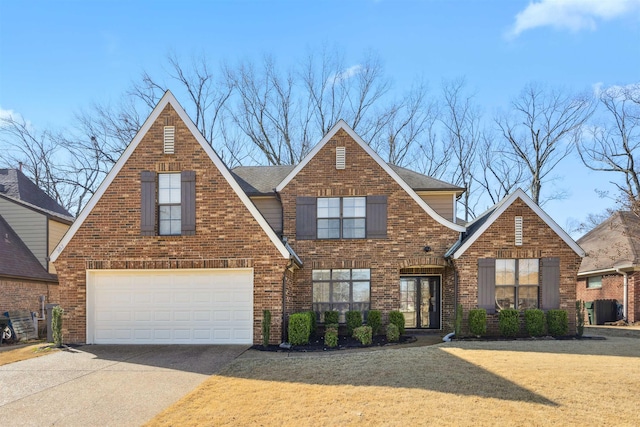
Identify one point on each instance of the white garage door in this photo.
(213, 306)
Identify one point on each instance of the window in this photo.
(169, 209)
(341, 290)
(516, 283)
(594, 282)
(341, 217)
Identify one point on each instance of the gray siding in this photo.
(271, 210)
(30, 225)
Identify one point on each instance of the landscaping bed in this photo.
(316, 343)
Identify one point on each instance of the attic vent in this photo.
(518, 231)
(340, 157)
(169, 139)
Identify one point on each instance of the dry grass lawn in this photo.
(24, 353)
(542, 382)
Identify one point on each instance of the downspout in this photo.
(284, 301)
(625, 293)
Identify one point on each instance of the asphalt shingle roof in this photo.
(17, 259)
(15, 185)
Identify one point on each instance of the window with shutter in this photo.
(550, 269)
(188, 202)
(376, 217)
(148, 203)
(487, 284)
(305, 218)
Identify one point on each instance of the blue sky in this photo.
(58, 57)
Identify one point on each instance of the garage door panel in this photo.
(186, 306)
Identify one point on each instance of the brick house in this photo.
(174, 247)
(31, 225)
(611, 269)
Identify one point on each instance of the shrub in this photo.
(478, 321)
(557, 323)
(363, 334)
(579, 317)
(299, 328)
(354, 320)
(374, 319)
(56, 325)
(534, 322)
(458, 324)
(312, 322)
(393, 333)
(397, 319)
(331, 317)
(266, 327)
(509, 322)
(331, 336)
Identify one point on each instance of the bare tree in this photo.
(539, 131)
(461, 120)
(614, 145)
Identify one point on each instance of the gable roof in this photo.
(263, 180)
(484, 221)
(615, 243)
(168, 98)
(392, 173)
(17, 260)
(15, 186)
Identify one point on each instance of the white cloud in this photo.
(574, 15)
(344, 75)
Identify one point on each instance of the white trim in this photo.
(343, 125)
(502, 206)
(168, 98)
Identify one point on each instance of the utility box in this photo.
(605, 310)
(49, 308)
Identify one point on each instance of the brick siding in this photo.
(613, 288)
(498, 241)
(226, 233)
(16, 294)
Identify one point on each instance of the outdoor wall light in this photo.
(427, 248)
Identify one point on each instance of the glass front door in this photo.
(420, 301)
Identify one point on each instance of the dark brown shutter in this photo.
(487, 284)
(376, 217)
(306, 213)
(550, 272)
(147, 203)
(188, 202)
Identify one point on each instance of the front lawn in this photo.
(459, 383)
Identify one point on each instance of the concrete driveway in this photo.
(101, 385)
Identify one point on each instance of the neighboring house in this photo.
(611, 269)
(31, 225)
(176, 248)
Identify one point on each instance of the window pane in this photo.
(594, 282)
(360, 291)
(527, 297)
(168, 188)
(353, 228)
(354, 207)
(328, 207)
(170, 222)
(363, 273)
(321, 274)
(321, 292)
(341, 274)
(340, 292)
(528, 272)
(328, 229)
(505, 297)
(505, 272)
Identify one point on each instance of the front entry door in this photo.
(420, 301)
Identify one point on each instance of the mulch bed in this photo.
(316, 344)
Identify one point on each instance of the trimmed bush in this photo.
(56, 325)
(331, 317)
(557, 323)
(458, 324)
(299, 328)
(363, 334)
(374, 319)
(266, 327)
(579, 317)
(312, 322)
(354, 320)
(331, 336)
(534, 322)
(509, 322)
(478, 321)
(393, 334)
(397, 319)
